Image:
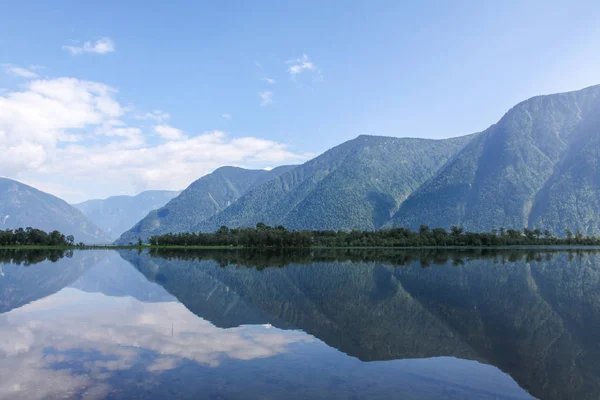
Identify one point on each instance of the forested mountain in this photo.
(357, 185)
(202, 199)
(23, 206)
(536, 319)
(537, 167)
(117, 214)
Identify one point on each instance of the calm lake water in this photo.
(319, 325)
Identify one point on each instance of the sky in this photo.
(107, 98)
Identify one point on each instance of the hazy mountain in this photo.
(537, 167)
(202, 199)
(357, 185)
(23, 206)
(117, 214)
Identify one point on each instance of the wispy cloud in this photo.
(301, 65)
(226, 116)
(266, 98)
(20, 71)
(100, 46)
(156, 115)
(269, 81)
(170, 133)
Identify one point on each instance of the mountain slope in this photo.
(570, 198)
(356, 185)
(23, 206)
(116, 214)
(202, 199)
(524, 170)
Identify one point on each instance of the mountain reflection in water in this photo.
(315, 324)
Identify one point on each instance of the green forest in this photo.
(264, 236)
(34, 237)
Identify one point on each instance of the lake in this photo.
(318, 324)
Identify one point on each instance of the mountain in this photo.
(537, 167)
(23, 206)
(117, 214)
(202, 199)
(357, 185)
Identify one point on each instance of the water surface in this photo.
(316, 324)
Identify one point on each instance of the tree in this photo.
(140, 242)
(70, 240)
(457, 230)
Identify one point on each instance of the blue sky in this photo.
(92, 75)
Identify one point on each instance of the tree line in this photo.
(34, 237)
(279, 237)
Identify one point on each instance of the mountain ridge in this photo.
(23, 206)
(202, 198)
(494, 181)
(116, 214)
(316, 194)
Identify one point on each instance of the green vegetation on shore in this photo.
(263, 236)
(35, 237)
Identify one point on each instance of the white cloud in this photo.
(269, 81)
(266, 98)
(156, 115)
(169, 133)
(303, 64)
(20, 71)
(226, 116)
(100, 46)
(75, 137)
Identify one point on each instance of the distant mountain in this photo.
(23, 206)
(537, 167)
(202, 199)
(117, 214)
(357, 185)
